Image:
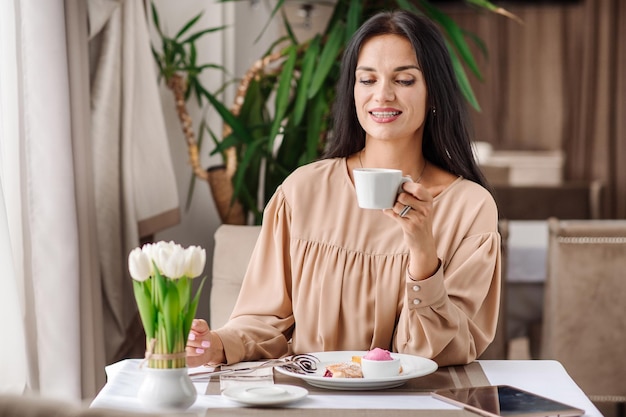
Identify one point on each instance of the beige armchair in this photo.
(233, 247)
(584, 308)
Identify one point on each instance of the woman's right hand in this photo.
(203, 345)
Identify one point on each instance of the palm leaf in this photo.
(290, 34)
(251, 152)
(283, 94)
(355, 16)
(240, 130)
(495, 9)
(308, 66)
(316, 127)
(197, 35)
(327, 58)
(455, 34)
(155, 19)
(188, 25)
(275, 10)
(464, 84)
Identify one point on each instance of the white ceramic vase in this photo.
(167, 389)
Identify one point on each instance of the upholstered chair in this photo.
(231, 255)
(584, 325)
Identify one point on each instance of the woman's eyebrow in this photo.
(397, 69)
(406, 67)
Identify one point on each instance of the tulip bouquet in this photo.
(162, 282)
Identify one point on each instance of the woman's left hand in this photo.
(416, 222)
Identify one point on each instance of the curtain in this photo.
(521, 93)
(595, 81)
(85, 173)
(38, 188)
(556, 82)
(135, 186)
(92, 359)
(13, 355)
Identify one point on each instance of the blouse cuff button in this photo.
(416, 288)
(416, 301)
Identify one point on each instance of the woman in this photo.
(421, 278)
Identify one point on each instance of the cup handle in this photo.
(402, 181)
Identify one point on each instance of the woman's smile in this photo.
(385, 115)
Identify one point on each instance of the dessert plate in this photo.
(412, 367)
(268, 395)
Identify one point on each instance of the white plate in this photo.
(412, 367)
(265, 394)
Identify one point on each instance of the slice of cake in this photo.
(344, 370)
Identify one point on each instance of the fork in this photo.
(267, 364)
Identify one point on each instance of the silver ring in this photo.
(404, 211)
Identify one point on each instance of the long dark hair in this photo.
(446, 141)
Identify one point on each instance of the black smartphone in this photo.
(505, 400)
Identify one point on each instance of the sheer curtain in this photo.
(69, 214)
(38, 186)
(13, 346)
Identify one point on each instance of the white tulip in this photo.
(139, 265)
(170, 259)
(150, 250)
(195, 258)
(154, 251)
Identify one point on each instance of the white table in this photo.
(547, 378)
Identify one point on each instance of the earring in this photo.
(434, 110)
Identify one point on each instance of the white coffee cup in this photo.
(377, 188)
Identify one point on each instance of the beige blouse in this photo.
(327, 275)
